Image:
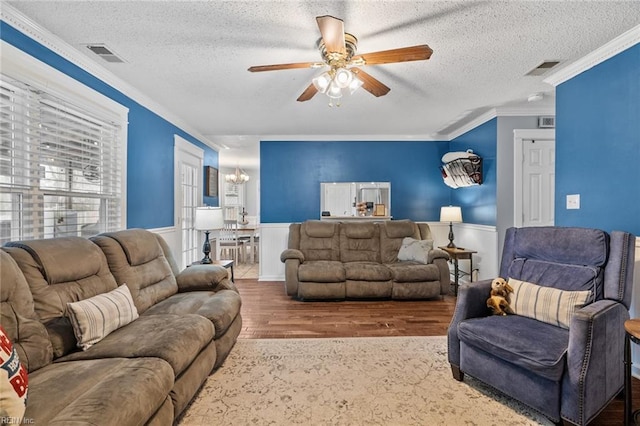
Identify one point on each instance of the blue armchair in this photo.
(564, 373)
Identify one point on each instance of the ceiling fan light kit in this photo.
(338, 51)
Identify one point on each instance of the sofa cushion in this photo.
(412, 249)
(366, 271)
(177, 339)
(359, 242)
(321, 271)
(116, 391)
(13, 381)
(148, 275)
(17, 316)
(77, 271)
(413, 272)
(320, 240)
(546, 304)
(94, 318)
(392, 232)
(525, 342)
(221, 308)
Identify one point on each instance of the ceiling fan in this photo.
(338, 51)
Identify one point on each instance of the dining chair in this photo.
(229, 241)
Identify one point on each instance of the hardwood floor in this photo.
(267, 312)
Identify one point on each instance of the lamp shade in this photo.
(452, 214)
(209, 218)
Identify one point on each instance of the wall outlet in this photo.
(573, 201)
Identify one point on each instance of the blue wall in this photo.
(479, 202)
(291, 173)
(150, 202)
(598, 145)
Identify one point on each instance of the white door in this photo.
(188, 186)
(538, 182)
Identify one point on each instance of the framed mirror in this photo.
(355, 200)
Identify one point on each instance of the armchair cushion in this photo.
(546, 304)
(505, 337)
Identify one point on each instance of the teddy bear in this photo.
(498, 300)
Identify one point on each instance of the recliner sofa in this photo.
(565, 370)
(358, 260)
(145, 372)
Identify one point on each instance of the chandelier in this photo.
(238, 177)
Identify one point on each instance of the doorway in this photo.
(188, 189)
(534, 177)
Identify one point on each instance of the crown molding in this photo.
(492, 113)
(35, 31)
(609, 50)
(348, 138)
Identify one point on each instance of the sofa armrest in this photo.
(437, 253)
(471, 303)
(291, 254)
(291, 276)
(595, 372)
(205, 277)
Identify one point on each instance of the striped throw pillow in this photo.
(546, 304)
(94, 318)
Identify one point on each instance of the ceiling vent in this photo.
(546, 122)
(543, 67)
(105, 53)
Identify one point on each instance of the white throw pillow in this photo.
(417, 250)
(546, 304)
(94, 318)
(13, 382)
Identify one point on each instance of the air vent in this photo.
(546, 122)
(543, 67)
(105, 53)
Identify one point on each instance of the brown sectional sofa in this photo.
(145, 372)
(338, 260)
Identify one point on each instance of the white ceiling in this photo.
(191, 57)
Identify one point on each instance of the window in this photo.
(61, 167)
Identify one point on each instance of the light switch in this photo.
(573, 201)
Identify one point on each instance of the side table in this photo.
(227, 264)
(632, 334)
(457, 253)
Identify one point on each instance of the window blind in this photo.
(60, 168)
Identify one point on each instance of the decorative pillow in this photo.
(417, 250)
(546, 304)
(94, 318)
(13, 382)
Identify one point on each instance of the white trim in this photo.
(519, 136)
(21, 66)
(609, 50)
(167, 230)
(499, 112)
(331, 138)
(35, 31)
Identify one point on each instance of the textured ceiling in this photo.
(192, 58)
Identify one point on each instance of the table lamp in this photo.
(451, 214)
(207, 220)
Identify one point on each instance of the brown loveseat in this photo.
(145, 372)
(338, 260)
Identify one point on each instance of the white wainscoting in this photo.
(274, 238)
(172, 237)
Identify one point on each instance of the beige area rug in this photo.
(350, 381)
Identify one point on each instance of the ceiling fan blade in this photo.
(277, 67)
(332, 30)
(371, 84)
(403, 54)
(308, 93)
